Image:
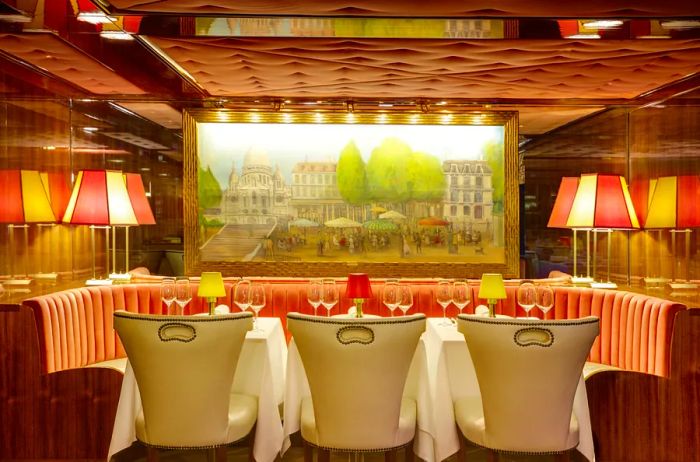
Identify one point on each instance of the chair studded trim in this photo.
(355, 321)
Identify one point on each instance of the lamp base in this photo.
(655, 282)
(98, 282)
(682, 285)
(581, 280)
(17, 282)
(603, 285)
(45, 277)
(120, 278)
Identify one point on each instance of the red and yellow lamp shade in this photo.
(358, 289)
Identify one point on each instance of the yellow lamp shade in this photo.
(492, 287)
(662, 204)
(211, 285)
(35, 199)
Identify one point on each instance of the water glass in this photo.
(183, 295)
(241, 296)
(390, 296)
(527, 297)
(257, 302)
(545, 299)
(405, 298)
(329, 295)
(461, 295)
(443, 295)
(313, 294)
(167, 293)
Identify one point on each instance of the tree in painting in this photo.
(352, 179)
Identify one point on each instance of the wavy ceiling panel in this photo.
(392, 68)
(418, 8)
(51, 53)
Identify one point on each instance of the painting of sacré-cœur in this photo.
(350, 193)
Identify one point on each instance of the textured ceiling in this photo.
(391, 68)
(50, 53)
(541, 119)
(418, 8)
(160, 113)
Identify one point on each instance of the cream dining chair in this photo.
(357, 369)
(528, 371)
(184, 367)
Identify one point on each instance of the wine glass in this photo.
(443, 295)
(241, 296)
(183, 295)
(257, 302)
(405, 298)
(527, 297)
(545, 299)
(167, 293)
(461, 295)
(329, 295)
(313, 294)
(390, 297)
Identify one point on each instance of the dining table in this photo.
(260, 372)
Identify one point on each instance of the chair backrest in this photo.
(184, 367)
(357, 369)
(528, 371)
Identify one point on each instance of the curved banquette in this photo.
(75, 326)
(81, 356)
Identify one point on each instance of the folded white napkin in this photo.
(222, 309)
(481, 310)
(352, 311)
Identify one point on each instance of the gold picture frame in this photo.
(461, 264)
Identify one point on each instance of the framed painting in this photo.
(324, 194)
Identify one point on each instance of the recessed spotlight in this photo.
(602, 24)
(95, 17)
(115, 35)
(49, 148)
(583, 36)
(386, 105)
(90, 129)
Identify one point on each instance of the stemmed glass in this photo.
(527, 297)
(330, 295)
(167, 293)
(405, 298)
(313, 294)
(257, 302)
(182, 294)
(443, 295)
(545, 299)
(241, 296)
(461, 295)
(390, 297)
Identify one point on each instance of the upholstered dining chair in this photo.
(184, 368)
(357, 369)
(528, 371)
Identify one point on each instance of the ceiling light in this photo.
(583, 36)
(90, 129)
(680, 24)
(115, 35)
(441, 103)
(602, 24)
(386, 105)
(95, 17)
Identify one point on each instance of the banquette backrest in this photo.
(75, 326)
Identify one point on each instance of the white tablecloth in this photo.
(260, 372)
(455, 378)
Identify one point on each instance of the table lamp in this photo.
(100, 199)
(558, 219)
(358, 289)
(602, 204)
(492, 289)
(211, 287)
(674, 204)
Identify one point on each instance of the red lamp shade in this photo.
(11, 189)
(139, 201)
(563, 202)
(602, 201)
(674, 203)
(358, 286)
(25, 198)
(59, 192)
(100, 198)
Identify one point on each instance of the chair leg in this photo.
(462, 453)
(563, 457)
(251, 444)
(324, 455)
(390, 456)
(492, 456)
(408, 455)
(151, 454)
(308, 452)
(221, 454)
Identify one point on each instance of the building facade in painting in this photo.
(315, 194)
(468, 201)
(256, 195)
